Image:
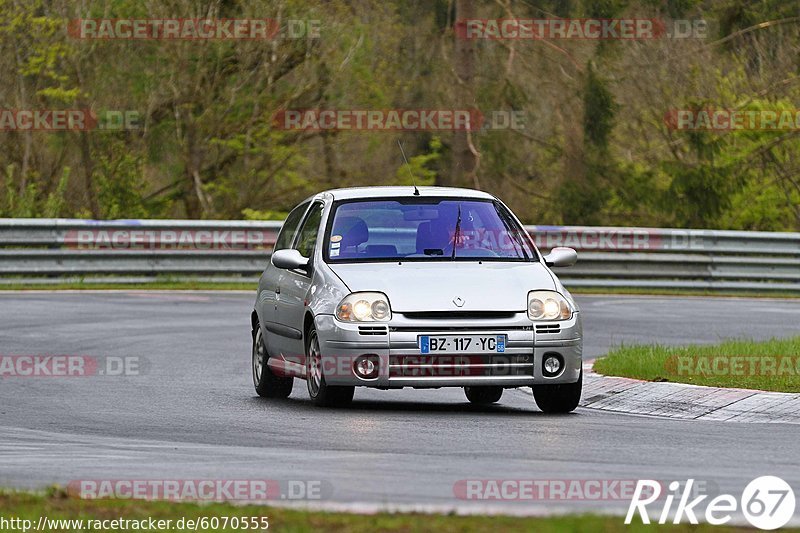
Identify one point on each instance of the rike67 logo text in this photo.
(767, 502)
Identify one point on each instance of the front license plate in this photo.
(462, 343)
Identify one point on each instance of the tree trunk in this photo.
(328, 137)
(88, 173)
(465, 154)
(192, 190)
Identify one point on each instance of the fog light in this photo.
(552, 365)
(366, 366)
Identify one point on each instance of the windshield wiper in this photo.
(457, 233)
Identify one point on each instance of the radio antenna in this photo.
(413, 179)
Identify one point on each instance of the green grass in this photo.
(714, 365)
(56, 505)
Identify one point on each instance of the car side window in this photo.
(308, 233)
(289, 228)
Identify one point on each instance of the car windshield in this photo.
(424, 229)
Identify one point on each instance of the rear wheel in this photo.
(561, 398)
(267, 383)
(320, 392)
(483, 395)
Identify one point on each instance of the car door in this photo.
(268, 292)
(294, 286)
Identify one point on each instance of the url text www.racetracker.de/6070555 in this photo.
(203, 523)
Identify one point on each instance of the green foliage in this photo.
(55, 204)
(120, 183)
(266, 214)
(593, 150)
(583, 197)
(598, 111)
(418, 171)
(18, 202)
(603, 9)
(27, 201)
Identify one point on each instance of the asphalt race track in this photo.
(193, 414)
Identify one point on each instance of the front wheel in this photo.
(268, 385)
(483, 395)
(560, 398)
(320, 392)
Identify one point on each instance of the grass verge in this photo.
(55, 505)
(772, 365)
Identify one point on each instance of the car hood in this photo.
(433, 286)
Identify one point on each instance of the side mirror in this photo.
(289, 259)
(561, 257)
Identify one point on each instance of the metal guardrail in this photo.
(63, 250)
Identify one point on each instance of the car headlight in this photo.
(364, 307)
(548, 305)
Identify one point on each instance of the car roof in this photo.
(352, 193)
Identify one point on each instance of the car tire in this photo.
(319, 391)
(560, 398)
(267, 383)
(483, 395)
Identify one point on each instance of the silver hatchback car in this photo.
(392, 287)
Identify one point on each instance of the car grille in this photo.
(373, 330)
(432, 366)
(422, 329)
(548, 328)
(458, 315)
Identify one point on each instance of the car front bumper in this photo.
(395, 344)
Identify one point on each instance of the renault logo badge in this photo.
(458, 301)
